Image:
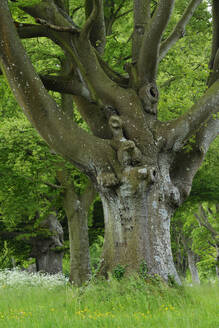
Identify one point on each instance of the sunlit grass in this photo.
(129, 303)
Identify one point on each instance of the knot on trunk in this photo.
(127, 152)
(149, 95)
(107, 179)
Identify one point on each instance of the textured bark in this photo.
(80, 270)
(137, 223)
(76, 208)
(193, 267)
(48, 250)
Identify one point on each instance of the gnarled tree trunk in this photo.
(139, 165)
(137, 224)
(48, 249)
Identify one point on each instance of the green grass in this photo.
(129, 303)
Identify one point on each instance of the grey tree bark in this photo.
(203, 220)
(193, 267)
(48, 249)
(76, 208)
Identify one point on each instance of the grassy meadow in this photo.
(128, 303)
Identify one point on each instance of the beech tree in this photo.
(140, 166)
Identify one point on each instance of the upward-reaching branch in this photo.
(214, 61)
(92, 15)
(142, 17)
(187, 125)
(149, 52)
(63, 135)
(98, 30)
(215, 41)
(179, 29)
(187, 163)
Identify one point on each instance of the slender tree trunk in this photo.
(137, 227)
(80, 270)
(217, 263)
(48, 250)
(193, 267)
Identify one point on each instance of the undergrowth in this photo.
(124, 303)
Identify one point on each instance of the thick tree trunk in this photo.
(76, 208)
(193, 267)
(80, 270)
(48, 250)
(50, 261)
(137, 226)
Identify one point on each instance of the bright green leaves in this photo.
(26, 166)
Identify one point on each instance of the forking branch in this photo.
(149, 51)
(179, 29)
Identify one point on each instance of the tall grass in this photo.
(128, 303)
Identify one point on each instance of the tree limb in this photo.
(86, 30)
(98, 30)
(215, 41)
(142, 17)
(149, 51)
(62, 135)
(88, 195)
(179, 29)
(187, 163)
(214, 61)
(65, 85)
(180, 130)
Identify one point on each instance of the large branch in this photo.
(187, 163)
(214, 61)
(81, 50)
(177, 132)
(26, 31)
(142, 17)
(179, 29)
(65, 85)
(215, 41)
(98, 30)
(149, 52)
(62, 135)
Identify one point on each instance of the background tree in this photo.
(143, 168)
(30, 194)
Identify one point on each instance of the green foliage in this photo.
(119, 272)
(184, 70)
(206, 182)
(26, 166)
(143, 270)
(95, 254)
(5, 256)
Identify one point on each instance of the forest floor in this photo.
(128, 303)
